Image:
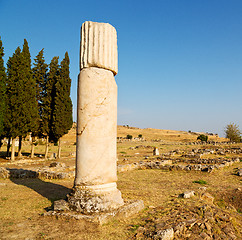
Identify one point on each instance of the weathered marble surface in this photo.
(96, 127)
(99, 46)
(95, 189)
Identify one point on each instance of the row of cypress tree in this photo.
(34, 100)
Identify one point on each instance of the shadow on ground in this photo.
(51, 191)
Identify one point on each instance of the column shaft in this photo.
(96, 127)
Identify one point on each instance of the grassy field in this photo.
(23, 201)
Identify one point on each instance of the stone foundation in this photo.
(127, 210)
(95, 199)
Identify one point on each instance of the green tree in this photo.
(27, 89)
(233, 132)
(12, 104)
(62, 114)
(21, 110)
(2, 93)
(129, 136)
(48, 101)
(40, 78)
(203, 138)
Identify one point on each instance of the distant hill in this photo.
(151, 134)
(166, 135)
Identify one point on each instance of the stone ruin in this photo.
(95, 189)
(96, 170)
(156, 152)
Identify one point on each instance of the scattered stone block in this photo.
(207, 197)
(165, 162)
(130, 209)
(187, 194)
(156, 151)
(203, 189)
(127, 167)
(57, 165)
(167, 234)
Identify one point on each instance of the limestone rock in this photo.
(167, 234)
(127, 167)
(202, 189)
(156, 151)
(187, 194)
(130, 208)
(99, 46)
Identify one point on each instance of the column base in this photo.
(96, 203)
(130, 208)
(94, 199)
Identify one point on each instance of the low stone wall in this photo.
(210, 161)
(144, 165)
(168, 165)
(58, 170)
(17, 173)
(47, 173)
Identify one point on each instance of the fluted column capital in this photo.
(99, 46)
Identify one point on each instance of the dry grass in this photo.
(159, 134)
(165, 138)
(22, 201)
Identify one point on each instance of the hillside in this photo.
(165, 135)
(151, 134)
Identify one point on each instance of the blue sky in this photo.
(180, 61)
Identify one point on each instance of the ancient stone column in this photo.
(95, 188)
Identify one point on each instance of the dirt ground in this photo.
(23, 201)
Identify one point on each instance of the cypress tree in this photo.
(13, 103)
(2, 93)
(48, 101)
(29, 113)
(21, 113)
(62, 114)
(40, 77)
